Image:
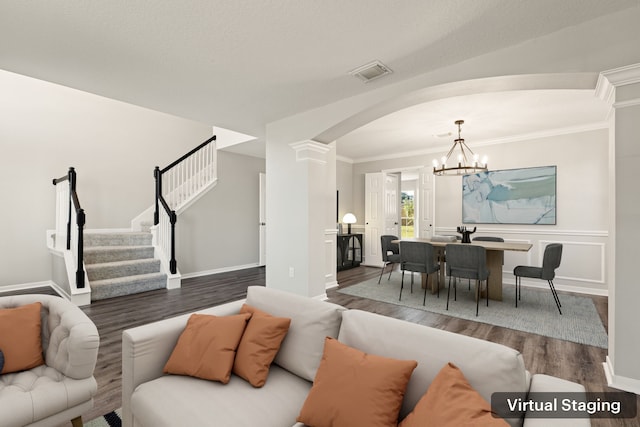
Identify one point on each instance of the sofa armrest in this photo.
(548, 384)
(146, 349)
(72, 339)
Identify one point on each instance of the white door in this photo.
(425, 196)
(373, 218)
(262, 220)
(392, 204)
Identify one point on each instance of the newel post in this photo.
(158, 177)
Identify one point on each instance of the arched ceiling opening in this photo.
(495, 110)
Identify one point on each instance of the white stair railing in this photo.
(176, 185)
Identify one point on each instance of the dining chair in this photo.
(467, 262)
(550, 261)
(390, 253)
(418, 257)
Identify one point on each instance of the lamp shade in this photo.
(349, 218)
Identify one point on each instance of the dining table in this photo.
(495, 257)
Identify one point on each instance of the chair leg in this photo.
(412, 282)
(381, 272)
(424, 299)
(555, 295)
(478, 284)
(516, 298)
(448, 292)
(487, 288)
(401, 286)
(391, 270)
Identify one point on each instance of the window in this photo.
(408, 214)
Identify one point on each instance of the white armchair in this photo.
(63, 388)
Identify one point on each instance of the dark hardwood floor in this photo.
(571, 361)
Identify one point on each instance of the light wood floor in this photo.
(571, 361)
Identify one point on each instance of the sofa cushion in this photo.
(259, 345)
(172, 401)
(207, 347)
(488, 366)
(311, 322)
(450, 401)
(353, 388)
(20, 337)
(39, 393)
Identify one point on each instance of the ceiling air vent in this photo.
(371, 71)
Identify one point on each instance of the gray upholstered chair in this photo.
(417, 257)
(467, 262)
(63, 388)
(551, 261)
(390, 253)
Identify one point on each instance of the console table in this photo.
(349, 251)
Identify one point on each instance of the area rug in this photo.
(112, 419)
(536, 312)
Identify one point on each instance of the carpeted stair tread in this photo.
(111, 270)
(101, 254)
(133, 238)
(109, 288)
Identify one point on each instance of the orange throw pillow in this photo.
(451, 401)
(21, 337)
(207, 346)
(259, 345)
(353, 388)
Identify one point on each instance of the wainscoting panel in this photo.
(331, 254)
(584, 256)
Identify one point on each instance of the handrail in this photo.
(80, 222)
(161, 201)
(204, 144)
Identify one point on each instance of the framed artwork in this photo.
(511, 196)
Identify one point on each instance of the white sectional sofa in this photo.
(153, 399)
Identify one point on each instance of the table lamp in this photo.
(349, 219)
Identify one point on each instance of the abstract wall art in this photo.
(512, 196)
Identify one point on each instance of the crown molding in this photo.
(510, 139)
(622, 76)
(311, 151)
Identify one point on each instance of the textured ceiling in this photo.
(242, 64)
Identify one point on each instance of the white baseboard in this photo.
(621, 383)
(539, 284)
(219, 270)
(331, 285)
(33, 285)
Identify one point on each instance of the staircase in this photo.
(105, 264)
(121, 263)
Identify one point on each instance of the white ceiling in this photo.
(242, 64)
(488, 118)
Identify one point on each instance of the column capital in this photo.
(311, 151)
(610, 79)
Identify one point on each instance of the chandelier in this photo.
(467, 161)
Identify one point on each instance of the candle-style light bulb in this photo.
(435, 163)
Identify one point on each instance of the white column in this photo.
(621, 88)
(300, 210)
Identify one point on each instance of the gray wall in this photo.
(344, 184)
(220, 230)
